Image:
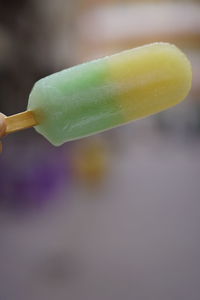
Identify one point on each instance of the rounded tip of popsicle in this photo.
(182, 69)
(176, 65)
(182, 60)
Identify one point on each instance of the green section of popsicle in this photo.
(75, 102)
(108, 92)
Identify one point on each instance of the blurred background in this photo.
(117, 215)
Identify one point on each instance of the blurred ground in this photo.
(136, 238)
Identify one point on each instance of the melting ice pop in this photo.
(106, 93)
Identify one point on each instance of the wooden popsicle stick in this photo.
(15, 123)
(20, 121)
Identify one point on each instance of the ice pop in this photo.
(108, 92)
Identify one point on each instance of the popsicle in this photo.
(106, 93)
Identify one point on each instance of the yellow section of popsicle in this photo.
(150, 79)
